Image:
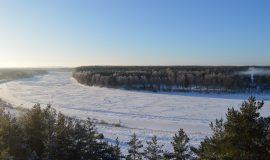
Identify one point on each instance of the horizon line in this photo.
(70, 67)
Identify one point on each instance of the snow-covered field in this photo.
(144, 113)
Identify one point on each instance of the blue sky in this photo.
(134, 32)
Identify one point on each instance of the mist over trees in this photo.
(173, 78)
(11, 74)
(46, 134)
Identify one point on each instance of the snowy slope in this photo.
(144, 113)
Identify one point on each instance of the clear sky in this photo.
(36, 33)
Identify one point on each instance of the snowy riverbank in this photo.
(144, 113)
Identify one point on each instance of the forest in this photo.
(11, 74)
(45, 134)
(174, 78)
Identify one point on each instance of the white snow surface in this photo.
(143, 113)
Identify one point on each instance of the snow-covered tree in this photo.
(153, 150)
(180, 145)
(135, 147)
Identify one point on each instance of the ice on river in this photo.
(144, 113)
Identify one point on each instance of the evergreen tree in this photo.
(64, 138)
(168, 155)
(42, 134)
(5, 124)
(90, 144)
(180, 145)
(117, 149)
(50, 115)
(35, 127)
(245, 135)
(134, 150)
(12, 141)
(153, 150)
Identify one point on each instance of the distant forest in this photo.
(11, 74)
(174, 78)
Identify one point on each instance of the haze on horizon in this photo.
(74, 33)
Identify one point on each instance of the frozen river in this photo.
(144, 113)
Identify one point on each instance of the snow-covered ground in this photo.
(144, 113)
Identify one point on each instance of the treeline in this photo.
(45, 134)
(173, 78)
(11, 74)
